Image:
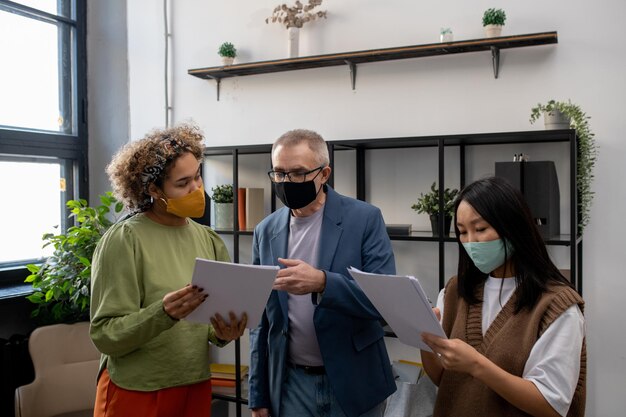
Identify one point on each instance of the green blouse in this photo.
(135, 264)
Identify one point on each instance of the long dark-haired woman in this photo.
(516, 332)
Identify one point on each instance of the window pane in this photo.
(38, 70)
(59, 8)
(31, 206)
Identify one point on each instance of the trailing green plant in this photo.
(429, 203)
(61, 284)
(587, 151)
(227, 49)
(494, 16)
(222, 193)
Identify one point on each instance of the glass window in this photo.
(60, 8)
(32, 196)
(43, 145)
(32, 88)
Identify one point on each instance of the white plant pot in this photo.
(224, 216)
(555, 120)
(446, 37)
(293, 42)
(228, 60)
(493, 31)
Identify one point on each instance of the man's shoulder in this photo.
(272, 219)
(345, 201)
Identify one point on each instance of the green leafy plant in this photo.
(227, 49)
(61, 283)
(494, 16)
(587, 151)
(222, 193)
(429, 203)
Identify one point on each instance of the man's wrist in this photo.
(323, 283)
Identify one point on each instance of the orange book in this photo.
(241, 208)
(218, 382)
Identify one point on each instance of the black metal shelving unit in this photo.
(362, 146)
(352, 59)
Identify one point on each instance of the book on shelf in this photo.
(255, 209)
(232, 390)
(220, 382)
(241, 208)
(227, 371)
(399, 229)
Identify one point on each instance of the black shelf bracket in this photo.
(218, 80)
(495, 59)
(352, 67)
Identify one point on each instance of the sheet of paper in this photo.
(232, 287)
(402, 302)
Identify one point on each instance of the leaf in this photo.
(31, 278)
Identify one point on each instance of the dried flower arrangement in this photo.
(296, 15)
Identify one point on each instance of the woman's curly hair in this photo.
(140, 163)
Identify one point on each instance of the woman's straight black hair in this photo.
(504, 208)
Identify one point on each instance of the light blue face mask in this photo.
(487, 256)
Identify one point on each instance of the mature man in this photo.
(319, 349)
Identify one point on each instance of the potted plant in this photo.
(61, 284)
(429, 203)
(228, 52)
(223, 199)
(294, 17)
(445, 35)
(493, 20)
(564, 115)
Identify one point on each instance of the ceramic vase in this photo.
(293, 42)
(224, 216)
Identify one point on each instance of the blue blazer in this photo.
(346, 323)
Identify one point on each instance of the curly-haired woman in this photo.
(153, 363)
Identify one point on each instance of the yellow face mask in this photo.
(190, 205)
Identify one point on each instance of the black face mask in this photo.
(296, 195)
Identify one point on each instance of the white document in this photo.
(232, 287)
(402, 302)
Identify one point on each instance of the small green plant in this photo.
(587, 151)
(61, 283)
(494, 16)
(222, 193)
(429, 203)
(227, 49)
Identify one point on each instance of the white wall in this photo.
(107, 78)
(436, 95)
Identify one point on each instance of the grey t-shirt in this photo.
(304, 234)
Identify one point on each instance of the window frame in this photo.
(71, 147)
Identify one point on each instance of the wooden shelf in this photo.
(351, 59)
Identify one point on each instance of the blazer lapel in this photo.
(279, 250)
(331, 230)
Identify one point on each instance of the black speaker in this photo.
(539, 184)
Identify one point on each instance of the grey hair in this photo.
(313, 140)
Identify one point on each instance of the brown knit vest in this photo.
(507, 343)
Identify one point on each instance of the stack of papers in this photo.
(402, 302)
(232, 287)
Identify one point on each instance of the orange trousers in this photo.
(186, 401)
